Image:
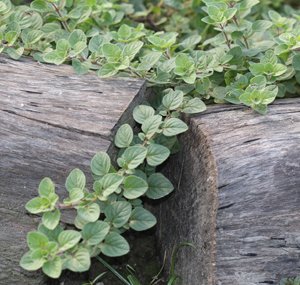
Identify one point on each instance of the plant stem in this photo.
(73, 205)
(64, 23)
(225, 35)
(244, 38)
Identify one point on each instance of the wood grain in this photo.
(51, 121)
(238, 196)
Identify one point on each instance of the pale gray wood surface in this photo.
(51, 121)
(238, 196)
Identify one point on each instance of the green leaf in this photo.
(134, 187)
(296, 62)
(95, 43)
(30, 262)
(173, 99)
(46, 187)
(110, 183)
(75, 195)
(142, 112)
(112, 52)
(11, 37)
(118, 213)
(90, 212)
(162, 40)
(68, 239)
(77, 36)
(159, 186)
(100, 163)
(40, 6)
(107, 70)
(261, 25)
(54, 57)
(124, 32)
(79, 222)
(36, 240)
(124, 136)
(149, 60)
(193, 106)
(229, 13)
(38, 205)
(157, 154)
(15, 53)
(141, 219)
(133, 156)
(52, 235)
(53, 268)
(183, 64)
(79, 261)
(130, 50)
(191, 41)
(173, 127)
(81, 67)
(151, 125)
(76, 179)
(51, 219)
(30, 37)
(114, 245)
(94, 233)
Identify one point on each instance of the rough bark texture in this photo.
(237, 197)
(51, 121)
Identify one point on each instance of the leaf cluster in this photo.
(234, 51)
(114, 203)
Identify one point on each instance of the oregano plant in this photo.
(223, 51)
(114, 204)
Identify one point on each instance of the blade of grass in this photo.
(115, 272)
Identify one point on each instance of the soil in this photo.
(143, 257)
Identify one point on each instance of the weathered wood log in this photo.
(238, 197)
(51, 121)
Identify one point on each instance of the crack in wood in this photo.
(88, 133)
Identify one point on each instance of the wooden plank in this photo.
(57, 96)
(51, 121)
(238, 197)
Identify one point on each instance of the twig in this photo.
(225, 35)
(64, 23)
(244, 38)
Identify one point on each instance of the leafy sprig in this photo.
(236, 51)
(114, 204)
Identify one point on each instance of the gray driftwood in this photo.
(51, 121)
(238, 197)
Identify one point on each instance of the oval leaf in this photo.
(134, 187)
(114, 245)
(68, 239)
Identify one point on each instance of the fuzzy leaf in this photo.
(89, 213)
(173, 127)
(79, 261)
(141, 219)
(157, 154)
(100, 163)
(53, 268)
(68, 239)
(134, 187)
(76, 179)
(159, 186)
(94, 233)
(142, 112)
(114, 245)
(51, 219)
(118, 213)
(124, 136)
